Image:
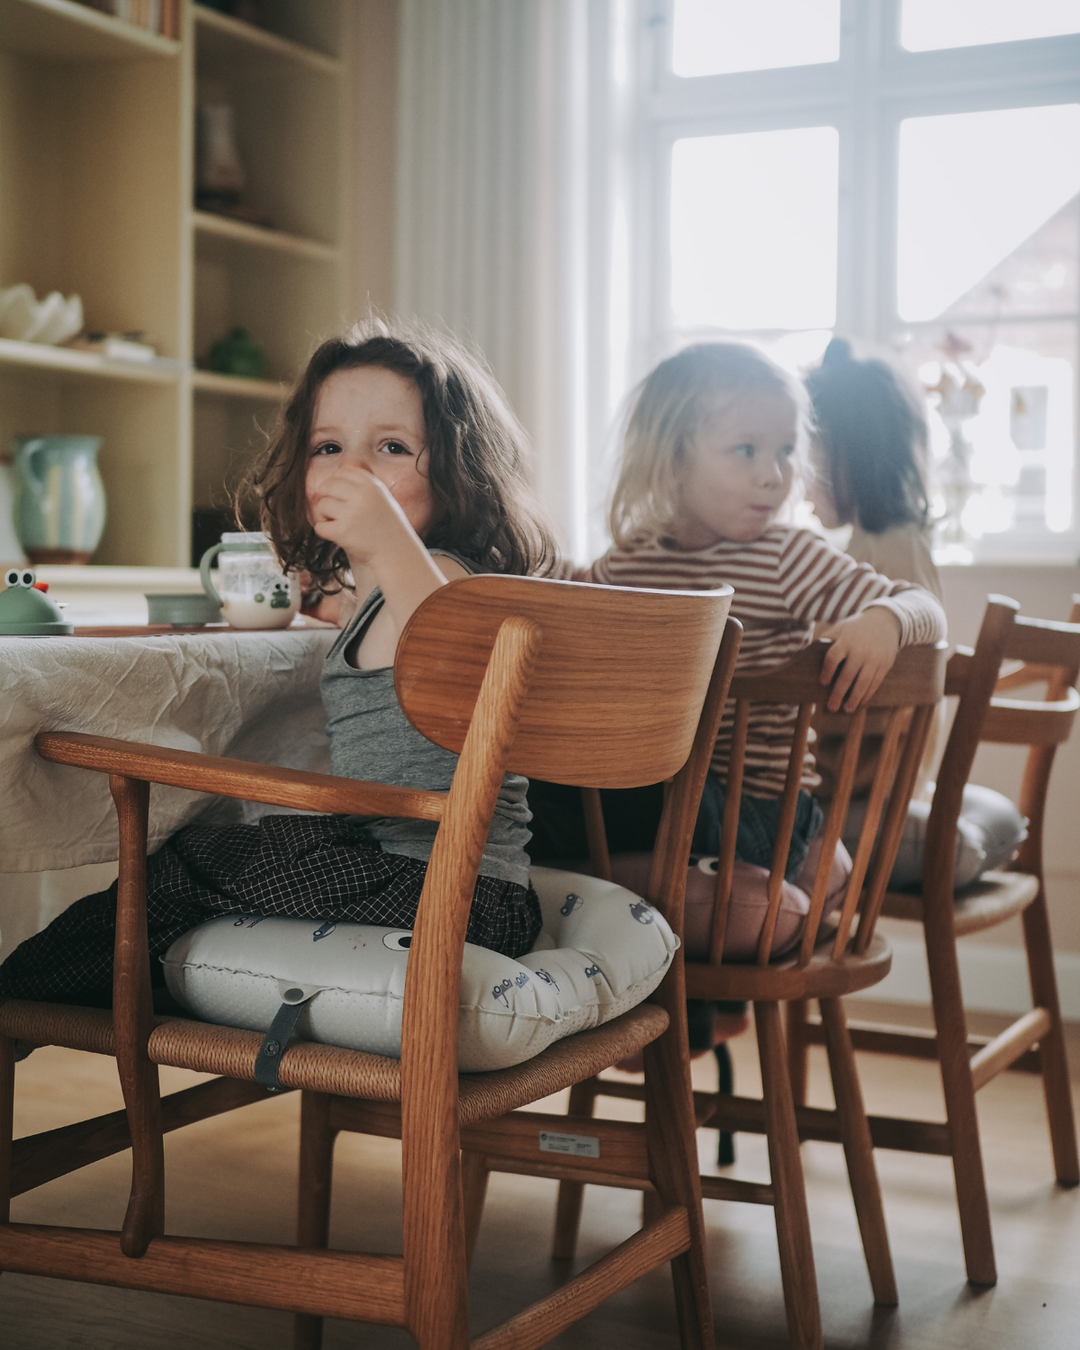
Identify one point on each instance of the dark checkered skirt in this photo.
(297, 867)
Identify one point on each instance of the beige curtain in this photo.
(512, 174)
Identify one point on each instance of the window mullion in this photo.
(858, 301)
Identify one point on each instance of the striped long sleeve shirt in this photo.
(785, 581)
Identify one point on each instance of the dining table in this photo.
(248, 695)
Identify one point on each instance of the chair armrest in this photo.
(235, 778)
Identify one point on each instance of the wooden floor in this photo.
(233, 1177)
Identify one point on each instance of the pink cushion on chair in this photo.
(749, 900)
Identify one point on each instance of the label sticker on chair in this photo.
(576, 1145)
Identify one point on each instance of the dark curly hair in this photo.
(477, 452)
(871, 426)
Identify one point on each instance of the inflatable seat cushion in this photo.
(602, 950)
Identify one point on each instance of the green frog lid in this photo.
(25, 609)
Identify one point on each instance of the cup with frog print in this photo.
(254, 592)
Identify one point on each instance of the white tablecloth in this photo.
(251, 696)
(248, 695)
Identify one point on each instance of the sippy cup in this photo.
(254, 591)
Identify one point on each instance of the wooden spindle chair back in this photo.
(1049, 653)
(903, 726)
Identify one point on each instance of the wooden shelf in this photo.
(236, 386)
(61, 30)
(96, 198)
(219, 35)
(69, 360)
(256, 236)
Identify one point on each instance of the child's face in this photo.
(819, 489)
(372, 419)
(735, 474)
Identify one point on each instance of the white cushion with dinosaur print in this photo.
(601, 951)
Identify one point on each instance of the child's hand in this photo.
(863, 650)
(336, 607)
(354, 510)
(358, 512)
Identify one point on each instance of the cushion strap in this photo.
(268, 1060)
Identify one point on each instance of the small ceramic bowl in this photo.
(190, 610)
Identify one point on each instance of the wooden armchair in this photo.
(836, 955)
(1049, 654)
(592, 685)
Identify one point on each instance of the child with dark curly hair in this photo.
(397, 467)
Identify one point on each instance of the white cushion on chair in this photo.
(601, 951)
(988, 833)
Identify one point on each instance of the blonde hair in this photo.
(667, 409)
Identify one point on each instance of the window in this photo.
(902, 171)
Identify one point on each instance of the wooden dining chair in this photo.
(592, 685)
(1049, 654)
(836, 955)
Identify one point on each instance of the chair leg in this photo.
(954, 1057)
(789, 1189)
(798, 1048)
(859, 1151)
(313, 1207)
(674, 1170)
(571, 1193)
(1055, 1067)
(474, 1183)
(133, 1021)
(725, 1148)
(436, 1275)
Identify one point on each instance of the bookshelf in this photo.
(97, 167)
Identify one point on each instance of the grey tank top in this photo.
(371, 739)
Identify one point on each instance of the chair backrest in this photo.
(902, 710)
(582, 684)
(615, 688)
(1048, 652)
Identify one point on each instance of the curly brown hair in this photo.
(477, 452)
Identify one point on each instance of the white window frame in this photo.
(865, 95)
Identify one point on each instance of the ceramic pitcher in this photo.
(60, 498)
(11, 551)
(255, 593)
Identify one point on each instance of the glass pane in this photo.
(718, 37)
(1040, 277)
(1003, 408)
(929, 25)
(753, 229)
(973, 188)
